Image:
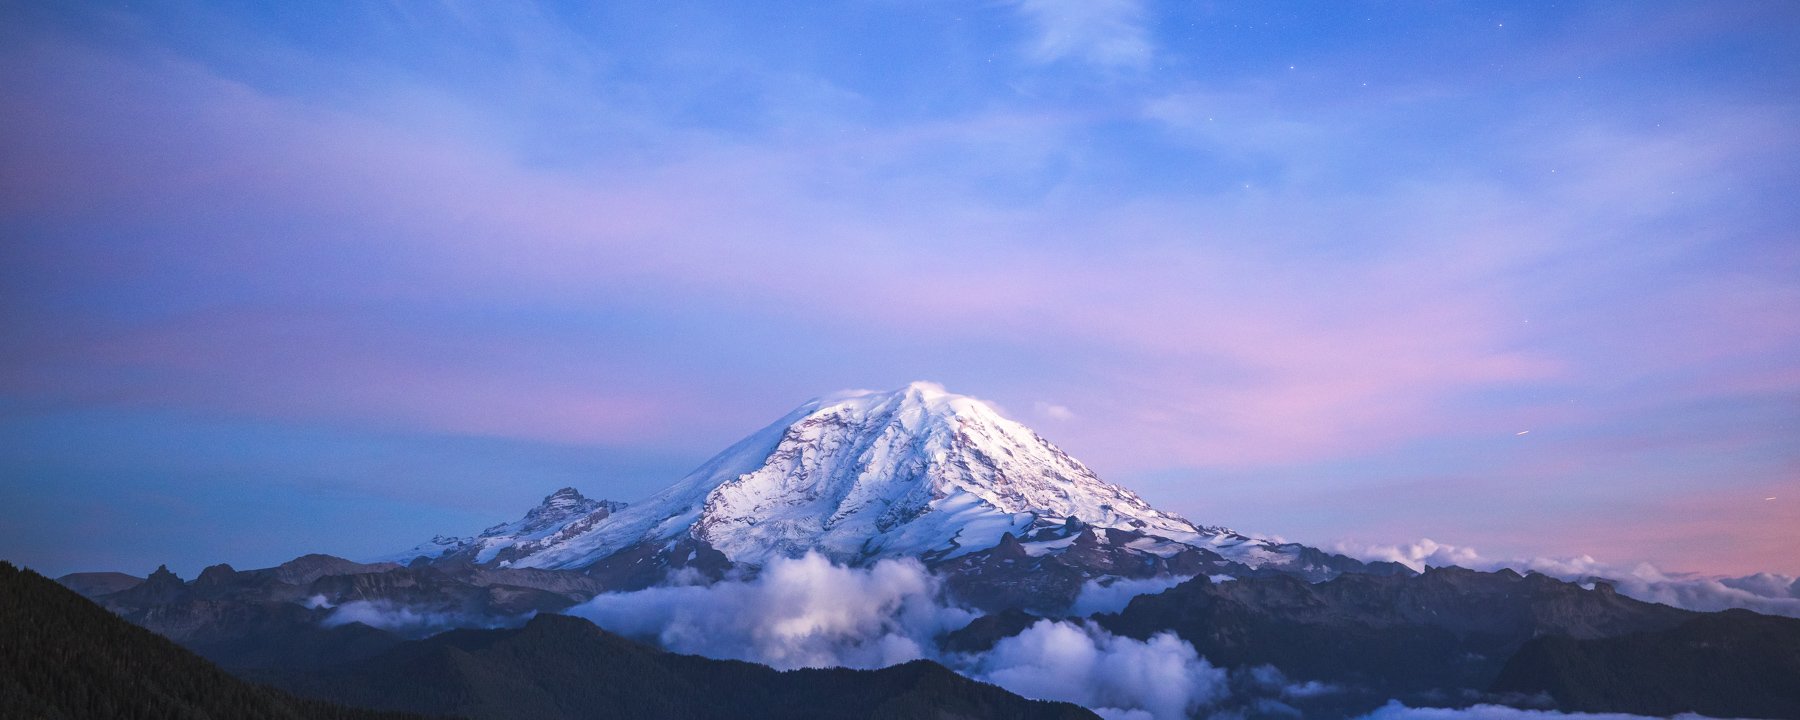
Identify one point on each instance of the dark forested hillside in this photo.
(559, 667)
(62, 656)
(1448, 628)
(1731, 664)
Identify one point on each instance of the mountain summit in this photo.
(860, 475)
(863, 475)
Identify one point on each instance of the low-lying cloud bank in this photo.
(1162, 677)
(808, 612)
(1113, 596)
(801, 612)
(1767, 593)
(409, 621)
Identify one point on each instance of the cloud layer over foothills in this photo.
(1521, 278)
(808, 612)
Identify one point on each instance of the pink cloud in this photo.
(1209, 346)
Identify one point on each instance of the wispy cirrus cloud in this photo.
(1107, 34)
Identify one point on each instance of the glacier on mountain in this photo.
(859, 476)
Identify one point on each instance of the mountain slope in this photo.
(1400, 636)
(863, 475)
(62, 656)
(859, 476)
(562, 514)
(564, 668)
(228, 616)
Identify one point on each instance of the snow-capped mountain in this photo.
(563, 514)
(860, 475)
(863, 475)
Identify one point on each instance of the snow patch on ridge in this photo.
(560, 511)
(862, 475)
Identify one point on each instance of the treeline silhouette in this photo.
(564, 668)
(1730, 664)
(62, 656)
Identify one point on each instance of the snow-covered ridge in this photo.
(856, 476)
(860, 475)
(561, 511)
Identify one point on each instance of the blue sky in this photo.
(286, 278)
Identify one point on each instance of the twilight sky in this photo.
(279, 278)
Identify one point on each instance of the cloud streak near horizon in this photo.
(1763, 592)
(1235, 259)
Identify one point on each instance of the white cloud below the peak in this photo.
(1161, 678)
(809, 612)
(409, 621)
(800, 612)
(1111, 597)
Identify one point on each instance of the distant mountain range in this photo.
(1008, 525)
(859, 476)
(563, 668)
(62, 656)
